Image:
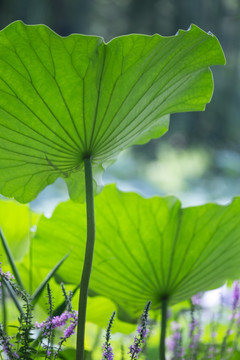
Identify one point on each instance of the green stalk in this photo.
(30, 255)
(82, 306)
(4, 308)
(163, 329)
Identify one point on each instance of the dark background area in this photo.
(215, 132)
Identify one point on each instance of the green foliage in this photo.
(63, 99)
(10, 258)
(23, 337)
(145, 248)
(19, 234)
(37, 293)
(15, 222)
(70, 104)
(24, 344)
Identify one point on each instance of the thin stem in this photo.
(87, 261)
(4, 308)
(163, 329)
(30, 254)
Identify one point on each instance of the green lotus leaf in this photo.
(146, 249)
(15, 222)
(66, 98)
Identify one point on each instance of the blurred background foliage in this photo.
(198, 160)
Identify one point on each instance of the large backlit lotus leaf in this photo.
(65, 98)
(145, 249)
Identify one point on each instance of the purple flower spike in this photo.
(174, 342)
(192, 326)
(142, 330)
(235, 295)
(107, 349)
(196, 299)
(69, 331)
(57, 321)
(7, 346)
(107, 352)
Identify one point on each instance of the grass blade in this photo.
(13, 296)
(11, 260)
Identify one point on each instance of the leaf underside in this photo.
(62, 99)
(146, 249)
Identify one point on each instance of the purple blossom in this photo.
(177, 335)
(181, 352)
(6, 345)
(235, 295)
(135, 349)
(195, 340)
(192, 326)
(139, 340)
(143, 333)
(173, 343)
(107, 348)
(70, 330)
(107, 352)
(142, 330)
(57, 321)
(237, 317)
(170, 343)
(196, 299)
(211, 352)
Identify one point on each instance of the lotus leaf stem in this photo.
(87, 266)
